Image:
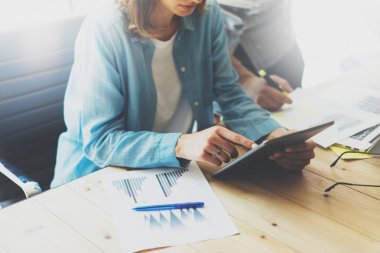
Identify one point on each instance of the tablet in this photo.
(267, 147)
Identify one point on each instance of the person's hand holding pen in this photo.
(265, 95)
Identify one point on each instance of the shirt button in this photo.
(258, 46)
(196, 103)
(183, 69)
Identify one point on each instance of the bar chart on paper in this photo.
(173, 219)
(168, 183)
(168, 227)
(169, 180)
(130, 187)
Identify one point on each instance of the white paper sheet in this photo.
(363, 140)
(309, 109)
(146, 230)
(362, 98)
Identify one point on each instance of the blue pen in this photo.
(170, 206)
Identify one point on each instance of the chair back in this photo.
(35, 64)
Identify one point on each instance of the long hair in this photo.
(137, 12)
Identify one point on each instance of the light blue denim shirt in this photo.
(110, 101)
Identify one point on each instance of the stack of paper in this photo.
(309, 109)
(364, 140)
(152, 229)
(364, 99)
(356, 112)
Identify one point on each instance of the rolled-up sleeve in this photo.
(98, 91)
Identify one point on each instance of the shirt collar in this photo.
(188, 23)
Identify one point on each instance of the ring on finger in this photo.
(217, 155)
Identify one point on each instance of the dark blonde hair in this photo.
(137, 12)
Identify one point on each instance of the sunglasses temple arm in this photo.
(343, 183)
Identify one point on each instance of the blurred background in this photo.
(334, 35)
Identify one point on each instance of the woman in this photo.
(144, 72)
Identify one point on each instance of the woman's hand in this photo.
(295, 157)
(213, 145)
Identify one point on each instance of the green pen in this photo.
(270, 82)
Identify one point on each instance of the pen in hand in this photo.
(271, 82)
(162, 207)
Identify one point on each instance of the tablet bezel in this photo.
(274, 145)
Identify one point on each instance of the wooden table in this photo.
(275, 211)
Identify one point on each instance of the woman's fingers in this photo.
(234, 137)
(293, 160)
(209, 158)
(218, 153)
(213, 145)
(228, 147)
(295, 155)
(292, 164)
(306, 146)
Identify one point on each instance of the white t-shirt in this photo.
(173, 113)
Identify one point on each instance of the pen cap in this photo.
(262, 73)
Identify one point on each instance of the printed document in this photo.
(361, 98)
(152, 229)
(309, 109)
(363, 140)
